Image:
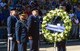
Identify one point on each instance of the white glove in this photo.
(10, 38)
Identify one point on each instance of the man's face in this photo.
(23, 17)
(13, 13)
(35, 13)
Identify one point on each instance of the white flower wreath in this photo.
(67, 24)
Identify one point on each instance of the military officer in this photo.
(21, 32)
(34, 23)
(12, 19)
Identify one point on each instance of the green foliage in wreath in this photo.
(67, 24)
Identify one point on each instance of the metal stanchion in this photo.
(9, 47)
(55, 48)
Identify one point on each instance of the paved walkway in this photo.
(70, 46)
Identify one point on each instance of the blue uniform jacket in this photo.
(11, 21)
(34, 25)
(21, 31)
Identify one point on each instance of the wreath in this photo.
(51, 15)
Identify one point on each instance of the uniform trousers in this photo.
(22, 46)
(34, 45)
(61, 46)
(14, 46)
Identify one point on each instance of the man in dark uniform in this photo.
(12, 19)
(21, 32)
(34, 23)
